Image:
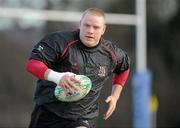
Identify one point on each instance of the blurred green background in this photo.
(18, 36)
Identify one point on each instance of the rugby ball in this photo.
(84, 88)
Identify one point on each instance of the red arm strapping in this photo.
(120, 78)
(36, 67)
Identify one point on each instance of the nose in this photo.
(90, 30)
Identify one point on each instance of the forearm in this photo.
(36, 68)
(121, 78)
(116, 91)
(41, 71)
(55, 76)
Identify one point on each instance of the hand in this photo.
(63, 79)
(111, 100)
(67, 82)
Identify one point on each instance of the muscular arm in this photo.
(41, 71)
(118, 83)
(116, 91)
(36, 68)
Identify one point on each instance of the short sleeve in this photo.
(123, 60)
(47, 50)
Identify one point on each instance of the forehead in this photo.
(93, 19)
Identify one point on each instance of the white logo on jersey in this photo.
(102, 71)
(40, 48)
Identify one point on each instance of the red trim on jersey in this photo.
(112, 54)
(120, 78)
(36, 67)
(66, 48)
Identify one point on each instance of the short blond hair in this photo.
(94, 11)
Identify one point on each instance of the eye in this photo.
(86, 25)
(96, 27)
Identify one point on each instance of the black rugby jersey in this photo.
(64, 52)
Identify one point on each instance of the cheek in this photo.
(81, 35)
(84, 31)
(98, 34)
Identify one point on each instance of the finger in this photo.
(69, 82)
(74, 79)
(109, 110)
(73, 83)
(73, 86)
(108, 100)
(69, 89)
(109, 113)
(65, 88)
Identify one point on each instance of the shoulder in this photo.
(59, 39)
(108, 45)
(119, 56)
(114, 50)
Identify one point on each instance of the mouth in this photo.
(89, 37)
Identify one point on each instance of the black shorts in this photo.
(42, 118)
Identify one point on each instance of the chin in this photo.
(88, 44)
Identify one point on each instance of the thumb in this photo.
(108, 99)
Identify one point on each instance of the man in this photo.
(85, 52)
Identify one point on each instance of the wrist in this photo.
(116, 91)
(56, 77)
(115, 97)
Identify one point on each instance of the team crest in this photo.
(102, 71)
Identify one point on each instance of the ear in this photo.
(79, 24)
(104, 29)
